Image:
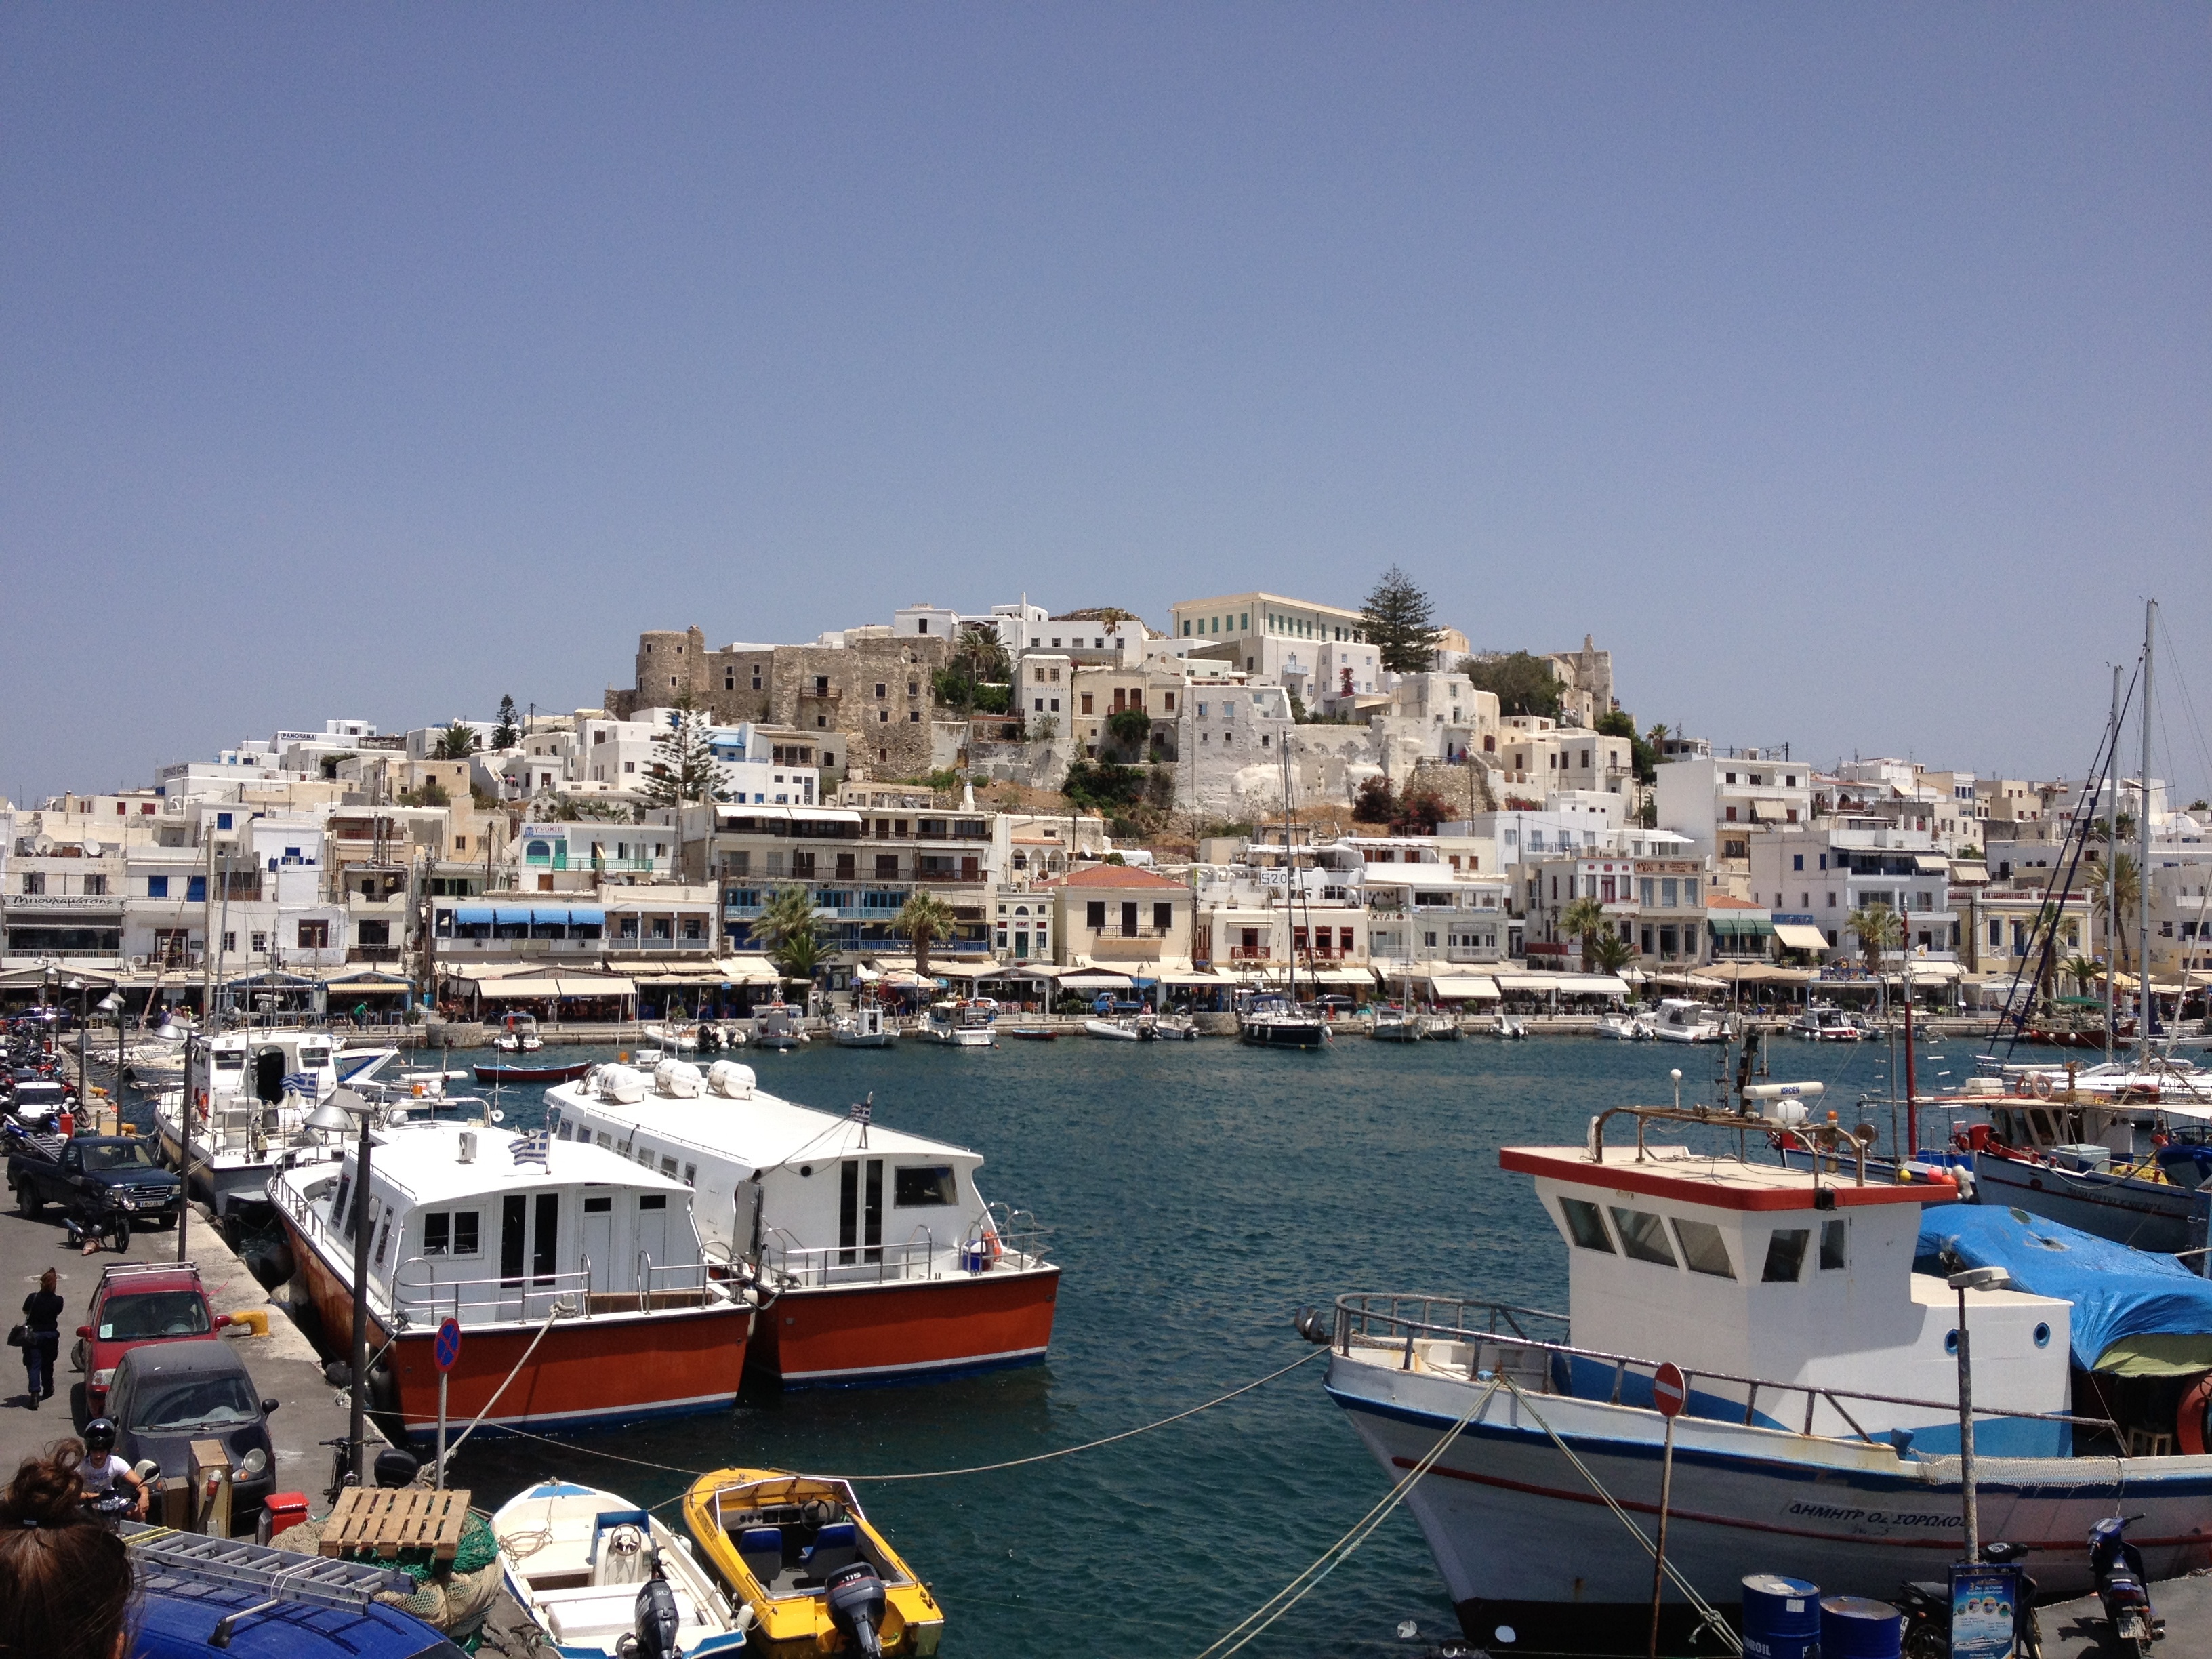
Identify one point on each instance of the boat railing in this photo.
(419, 1296)
(1376, 1322)
(790, 1265)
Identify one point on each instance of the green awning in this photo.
(1728, 927)
(2157, 1353)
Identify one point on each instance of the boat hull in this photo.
(866, 1040)
(612, 1368)
(1107, 1031)
(1284, 1035)
(2144, 1215)
(1522, 1539)
(223, 1187)
(849, 1335)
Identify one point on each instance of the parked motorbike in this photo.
(2124, 1592)
(1927, 1610)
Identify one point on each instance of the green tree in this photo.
(1128, 728)
(507, 733)
(2127, 895)
(682, 771)
(1880, 928)
(1643, 752)
(2082, 971)
(1584, 919)
(1523, 685)
(924, 917)
(978, 676)
(786, 930)
(1399, 622)
(1105, 786)
(1612, 953)
(457, 742)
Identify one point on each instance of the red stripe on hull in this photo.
(863, 1333)
(609, 1367)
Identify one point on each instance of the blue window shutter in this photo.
(157, 887)
(196, 890)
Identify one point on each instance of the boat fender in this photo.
(2192, 1424)
(679, 1080)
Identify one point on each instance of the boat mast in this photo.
(2144, 1005)
(1291, 873)
(2111, 868)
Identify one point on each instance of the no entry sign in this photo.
(1668, 1391)
(448, 1348)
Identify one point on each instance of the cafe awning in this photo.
(503, 990)
(1479, 988)
(1796, 936)
(511, 914)
(1727, 926)
(1090, 980)
(473, 916)
(610, 985)
(1338, 976)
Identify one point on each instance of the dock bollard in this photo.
(1854, 1628)
(1781, 1617)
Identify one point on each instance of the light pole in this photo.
(1974, 1278)
(339, 1114)
(83, 1078)
(111, 1005)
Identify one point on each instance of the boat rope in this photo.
(1705, 1612)
(1345, 1547)
(929, 1475)
(502, 1388)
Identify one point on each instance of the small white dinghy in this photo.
(1113, 1030)
(580, 1561)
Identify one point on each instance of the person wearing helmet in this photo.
(101, 1469)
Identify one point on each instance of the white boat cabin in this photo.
(1761, 1272)
(468, 1222)
(814, 1197)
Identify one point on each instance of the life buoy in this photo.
(2041, 1088)
(991, 1242)
(2189, 1422)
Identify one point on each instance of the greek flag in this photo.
(534, 1148)
(864, 1110)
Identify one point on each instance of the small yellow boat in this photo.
(797, 1550)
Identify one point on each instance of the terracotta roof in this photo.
(1120, 876)
(1724, 902)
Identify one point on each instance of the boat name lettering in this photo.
(1872, 1517)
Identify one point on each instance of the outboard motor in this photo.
(654, 1619)
(2116, 1565)
(855, 1597)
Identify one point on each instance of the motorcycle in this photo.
(1927, 1610)
(2116, 1565)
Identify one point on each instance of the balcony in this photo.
(372, 953)
(1250, 953)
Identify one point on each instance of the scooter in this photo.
(1927, 1610)
(2117, 1567)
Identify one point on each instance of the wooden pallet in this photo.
(387, 1522)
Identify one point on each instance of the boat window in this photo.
(513, 1216)
(339, 1213)
(1704, 1249)
(598, 1207)
(384, 1238)
(690, 1174)
(1785, 1254)
(465, 1241)
(1643, 1237)
(926, 1184)
(1586, 1225)
(668, 1168)
(653, 1201)
(233, 1061)
(542, 1237)
(606, 1139)
(1835, 1245)
(437, 1233)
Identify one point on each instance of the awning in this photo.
(1733, 926)
(1769, 811)
(1592, 985)
(545, 916)
(750, 970)
(1092, 979)
(473, 916)
(612, 985)
(589, 915)
(511, 912)
(1796, 936)
(1338, 976)
(1931, 864)
(1527, 982)
(1192, 977)
(1479, 987)
(524, 987)
(965, 970)
(1934, 970)
(365, 979)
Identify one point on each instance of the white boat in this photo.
(1508, 1027)
(962, 1025)
(1439, 1027)
(576, 1559)
(881, 1257)
(864, 1028)
(1680, 1019)
(1113, 1030)
(1823, 1022)
(1821, 1425)
(1392, 1023)
(775, 1025)
(518, 1034)
(1624, 1028)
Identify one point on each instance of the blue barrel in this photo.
(1853, 1627)
(1781, 1617)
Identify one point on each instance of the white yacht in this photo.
(959, 1024)
(1680, 1019)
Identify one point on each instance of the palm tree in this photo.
(1878, 927)
(457, 742)
(2081, 970)
(2126, 895)
(1584, 919)
(922, 918)
(1612, 952)
(786, 927)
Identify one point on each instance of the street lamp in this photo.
(83, 1079)
(1973, 1278)
(111, 1005)
(339, 1115)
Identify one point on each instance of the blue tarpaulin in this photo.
(2133, 1311)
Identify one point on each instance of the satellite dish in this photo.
(92, 850)
(42, 845)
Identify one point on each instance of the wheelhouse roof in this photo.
(764, 1132)
(422, 1161)
(1718, 1182)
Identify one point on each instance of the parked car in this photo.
(92, 1173)
(136, 1304)
(167, 1394)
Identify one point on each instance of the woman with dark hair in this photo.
(42, 1337)
(64, 1579)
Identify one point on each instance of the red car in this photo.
(136, 1304)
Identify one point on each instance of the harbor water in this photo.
(1199, 1194)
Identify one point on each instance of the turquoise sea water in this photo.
(1201, 1193)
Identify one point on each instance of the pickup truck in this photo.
(92, 1173)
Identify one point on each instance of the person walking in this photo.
(42, 1336)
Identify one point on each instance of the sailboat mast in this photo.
(2143, 1002)
(1290, 874)
(2112, 868)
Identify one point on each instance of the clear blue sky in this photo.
(1844, 369)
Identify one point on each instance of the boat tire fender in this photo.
(2192, 1423)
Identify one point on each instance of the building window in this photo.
(35, 881)
(157, 887)
(314, 936)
